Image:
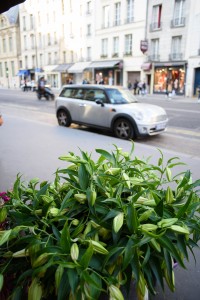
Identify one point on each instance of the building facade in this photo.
(9, 48)
(154, 41)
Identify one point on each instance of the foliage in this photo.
(97, 227)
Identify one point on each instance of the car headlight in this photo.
(138, 115)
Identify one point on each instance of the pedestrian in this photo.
(143, 88)
(140, 84)
(129, 85)
(198, 91)
(25, 86)
(135, 86)
(1, 119)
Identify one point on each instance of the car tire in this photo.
(123, 129)
(64, 118)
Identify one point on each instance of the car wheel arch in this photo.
(129, 118)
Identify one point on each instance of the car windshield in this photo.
(121, 96)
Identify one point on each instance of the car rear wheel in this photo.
(123, 129)
(63, 118)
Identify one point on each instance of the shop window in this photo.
(170, 79)
(156, 18)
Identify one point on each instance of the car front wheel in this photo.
(123, 129)
(63, 118)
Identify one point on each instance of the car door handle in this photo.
(82, 105)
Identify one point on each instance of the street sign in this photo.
(144, 46)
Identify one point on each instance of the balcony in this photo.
(128, 53)
(176, 56)
(154, 57)
(155, 26)
(103, 55)
(115, 54)
(129, 20)
(178, 22)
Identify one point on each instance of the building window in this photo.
(64, 56)
(55, 38)
(33, 61)
(89, 50)
(13, 68)
(25, 42)
(179, 12)
(130, 11)
(4, 45)
(41, 59)
(1, 70)
(128, 44)
(32, 41)
(104, 48)
(88, 9)
(88, 29)
(6, 67)
(40, 40)
(115, 46)
(49, 39)
(176, 48)
(26, 62)
(24, 23)
(117, 13)
(106, 16)
(31, 22)
(49, 58)
(155, 50)
(72, 56)
(168, 79)
(55, 57)
(156, 18)
(10, 43)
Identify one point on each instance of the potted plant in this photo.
(100, 227)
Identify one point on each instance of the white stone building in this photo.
(174, 42)
(9, 48)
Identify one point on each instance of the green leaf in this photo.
(64, 202)
(85, 259)
(64, 288)
(131, 218)
(185, 179)
(73, 279)
(4, 236)
(110, 157)
(1, 281)
(17, 293)
(128, 254)
(168, 261)
(135, 265)
(89, 279)
(83, 177)
(65, 240)
(183, 209)
(156, 268)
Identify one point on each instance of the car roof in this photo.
(96, 86)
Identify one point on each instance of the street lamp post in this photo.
(7, 76)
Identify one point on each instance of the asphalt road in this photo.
(31, 142)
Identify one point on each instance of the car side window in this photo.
(79, 94)
(90, 95)
(66, 93)
(100, 95)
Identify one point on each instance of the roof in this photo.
(12, 14)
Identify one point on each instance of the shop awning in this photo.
(104, 64)
(170, 64)
(49, 68)
(146, 66)
(62, 68)
(23, 72)
(79, 67)
(38, 70)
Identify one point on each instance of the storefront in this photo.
(108, 71)
(51, 76)
(80, 72)
(64, 76)
(169, 78)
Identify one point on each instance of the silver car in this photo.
(109, 107)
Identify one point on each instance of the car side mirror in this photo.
(99, 101)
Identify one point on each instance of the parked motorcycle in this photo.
(47, 94)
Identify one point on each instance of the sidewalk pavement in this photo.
(175, 98)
